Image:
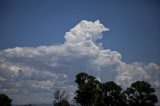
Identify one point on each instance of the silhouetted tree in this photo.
(140, 94)
(60, 98)
(5, 100)
(109, 94)
(93, 93)
(87, 89)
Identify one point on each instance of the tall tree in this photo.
(93, 93)
(140, 94)
(87, 89)
(110, 95)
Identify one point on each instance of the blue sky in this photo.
(134, 25)
(45, 43)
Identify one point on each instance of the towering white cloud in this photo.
(29, 74)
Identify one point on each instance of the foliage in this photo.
(87, 88)
(5, 100)
(110, 95)
(140, 94)
(91, 92)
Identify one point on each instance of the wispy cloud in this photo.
(28, 72)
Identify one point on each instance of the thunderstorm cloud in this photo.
(29, 74)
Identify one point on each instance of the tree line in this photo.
(92, 92)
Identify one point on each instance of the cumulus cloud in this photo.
(28, 72)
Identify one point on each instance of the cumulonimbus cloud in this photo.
(32, 72)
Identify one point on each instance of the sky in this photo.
(45, 43)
